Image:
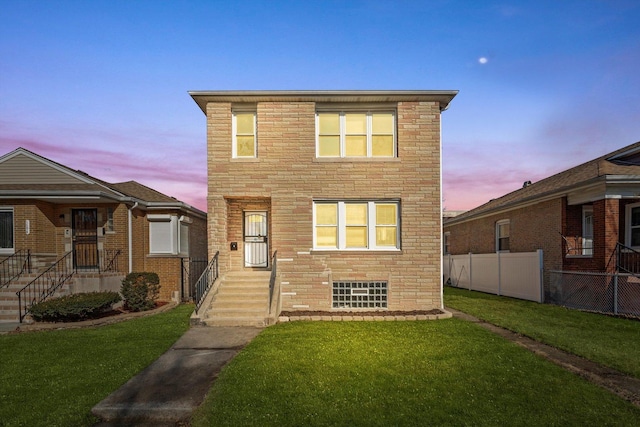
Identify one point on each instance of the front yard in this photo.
(446, 372)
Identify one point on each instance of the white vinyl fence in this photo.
(512, 274)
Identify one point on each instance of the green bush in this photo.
(75, 307)
(140, 291)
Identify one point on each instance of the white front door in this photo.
(255, 239)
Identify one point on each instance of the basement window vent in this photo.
(359, 295)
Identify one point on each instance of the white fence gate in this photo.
(512, 274)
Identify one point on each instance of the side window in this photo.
(109, 224)
(446, 241)
(244, 134)
(633, 225)
(6, 231)
(502, 235)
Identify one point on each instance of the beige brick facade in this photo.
(287, 177)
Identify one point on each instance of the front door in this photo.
(255, 239)
(85, 238)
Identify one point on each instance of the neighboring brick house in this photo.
(344, 185)
(51, 210)
(584, 218)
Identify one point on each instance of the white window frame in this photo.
(109, 224)
(446, 243)
(12, 249)
(628, 226)
(168, 235)
(498, 237)
(234, 130)
(587, 251)
(371, 225)
(343, 128)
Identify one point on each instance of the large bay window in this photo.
(356, 225)
(244, 134)
(6, 231)
(168, 235)
(355, 134)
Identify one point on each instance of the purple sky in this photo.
(102, 86)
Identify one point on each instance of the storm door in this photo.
(255, 239)
(85, 238)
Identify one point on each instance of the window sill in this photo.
(167, 256)
(357, 251)
(579, 256)
(245, 159)
(356, 159)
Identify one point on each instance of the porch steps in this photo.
(9, 300)
(242, 300)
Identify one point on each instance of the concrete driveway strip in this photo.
(173, 386)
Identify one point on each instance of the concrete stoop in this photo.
(242, 299)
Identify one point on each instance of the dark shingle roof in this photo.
(564, 180)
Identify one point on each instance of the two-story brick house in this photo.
(344, 185)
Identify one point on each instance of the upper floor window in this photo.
(357, 225)
(6, 231)
(502, 235)
(244, 134)
(356, 134)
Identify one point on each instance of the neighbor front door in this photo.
(85, 238)
(255, 239)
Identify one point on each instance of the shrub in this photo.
(140, 291)
(75, 307)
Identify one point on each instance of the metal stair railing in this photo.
(13, 266)
(45, 285)
(627, 260)
(272, 278)
(110, 260)
(206, 280)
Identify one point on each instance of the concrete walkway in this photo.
(625, 386)
(172, 387)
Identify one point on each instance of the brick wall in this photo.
(531, 228)
(288, 173)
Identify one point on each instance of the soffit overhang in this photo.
(443, 97)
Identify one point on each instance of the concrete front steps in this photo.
(242, 299)
(9, 300)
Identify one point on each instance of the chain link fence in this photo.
(602, 292)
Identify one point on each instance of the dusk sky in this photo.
(102, 86)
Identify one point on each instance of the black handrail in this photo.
(45, 284)
(110, 260)
(627, 259)
(13, 266)
(272, 278)
(206, 280)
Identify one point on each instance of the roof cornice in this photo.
(202, 98)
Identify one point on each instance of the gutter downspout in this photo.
(130, 235)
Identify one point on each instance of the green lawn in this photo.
(54, 378)
(446, 372)
(614, 342)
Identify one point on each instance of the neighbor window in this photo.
(357, 225)
(502, 235)
(446, 237)
(587, 230)
(6, 231)
(168, 235)
(244, 134)
(633, 225)
(109, 223)
(356, 134)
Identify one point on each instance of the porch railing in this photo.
(577, 246)
(12, 267)
(627, 260)
(190, 272)
(110, 260)
(45, 284)
(206, 280)
(272, 278)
